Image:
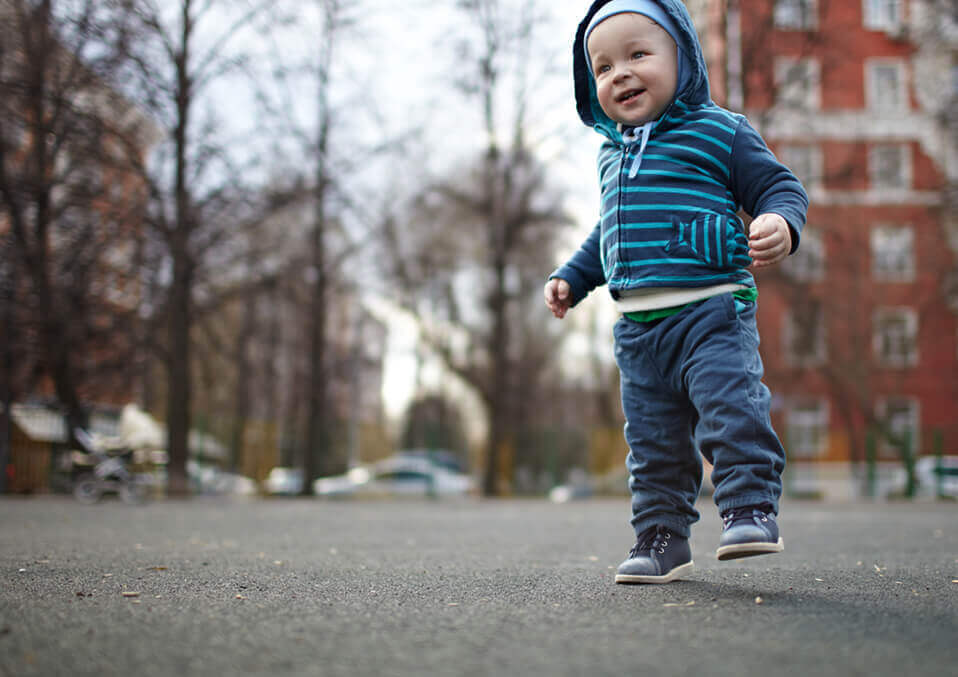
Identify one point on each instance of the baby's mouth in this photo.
(630, 95)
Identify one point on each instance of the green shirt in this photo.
(747, 294)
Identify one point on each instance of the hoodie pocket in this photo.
(714, 239)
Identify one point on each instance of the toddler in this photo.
(674, 170)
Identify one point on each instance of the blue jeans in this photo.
(692, 383)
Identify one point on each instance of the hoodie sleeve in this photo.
(583, 271)
(762, 184)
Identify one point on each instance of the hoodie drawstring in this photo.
(629, 136)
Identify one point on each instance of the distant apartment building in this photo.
(860, 326)
(71, 209)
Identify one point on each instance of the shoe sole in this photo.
(678, 571)
(739, 550)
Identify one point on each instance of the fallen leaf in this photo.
(759, 600)
(130, 593)
(238, 596)
(692, 603)
(820, 580)
(156, 568)
(670, 604)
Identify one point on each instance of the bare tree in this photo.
(71, 205)
(474, 248)
(199, 205)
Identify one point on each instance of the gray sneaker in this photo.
(749, 531)
(659, 556)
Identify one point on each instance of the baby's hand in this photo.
(558, 296)
(769, 240)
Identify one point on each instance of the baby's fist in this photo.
(558, 296)
(769, 240)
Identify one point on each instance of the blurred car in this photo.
(284, 481)
(444, 458)
(396, 476)
(212, 481)
(564, 493)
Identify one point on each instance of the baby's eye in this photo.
(604, 68)
(638, 55)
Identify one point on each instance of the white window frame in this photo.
(894, 245)
(883, 15)
(798, 15)
(806, 425)
(910, 418)
(876, 95)
(808, 263)
(798, 82)
(877, 175)
(818, 353)
(900, 349)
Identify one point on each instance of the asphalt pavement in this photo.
(464, 587)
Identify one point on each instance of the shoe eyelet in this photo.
(668, 535)
(765, 519)
(661, 551)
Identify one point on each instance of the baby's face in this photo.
(635, 66)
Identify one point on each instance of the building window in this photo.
(805, 162)
(885, 85)
(805, 334)
(795, 14)
(889, 166)
(797, 82)
(893, 253)
(806, 428)
(808, 263)
(900, 418)
(882, 15)
(896, 337)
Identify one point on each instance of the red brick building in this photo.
(860, 327)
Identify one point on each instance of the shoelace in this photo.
(653, 538)
(746, 513)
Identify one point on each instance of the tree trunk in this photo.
(499, 395)
(179, 308)
(179, 387)
(242, 401)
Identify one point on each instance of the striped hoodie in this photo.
(668, 230)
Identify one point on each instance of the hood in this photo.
(695, 91)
